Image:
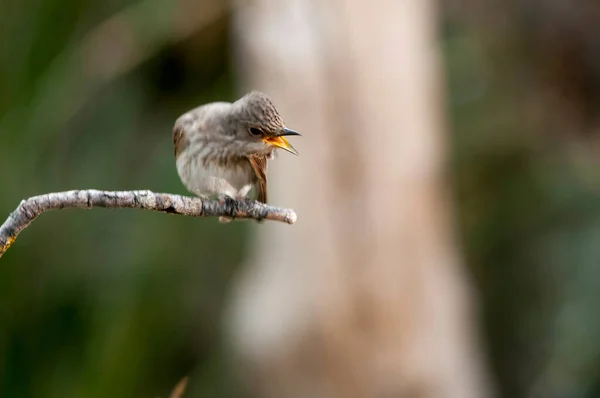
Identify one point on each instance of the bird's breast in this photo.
(205, 172)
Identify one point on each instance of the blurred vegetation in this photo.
(524, 84)
(108, 303)
(125, 303)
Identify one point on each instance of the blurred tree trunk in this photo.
(366, 296)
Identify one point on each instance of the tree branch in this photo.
(31, 208)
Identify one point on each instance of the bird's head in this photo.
(259, 126)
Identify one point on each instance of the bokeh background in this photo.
(124, 303)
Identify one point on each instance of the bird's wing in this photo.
(259, 165)
(179, 137)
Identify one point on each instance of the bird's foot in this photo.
(228, 200)
(230, 204)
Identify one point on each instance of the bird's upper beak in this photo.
(281, 142)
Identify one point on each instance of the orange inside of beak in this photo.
(280, 142)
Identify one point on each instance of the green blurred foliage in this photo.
(107, 303)
(524, 87)
(125, 303)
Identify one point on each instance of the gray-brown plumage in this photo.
(222, 148)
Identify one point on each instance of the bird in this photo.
(222, 149)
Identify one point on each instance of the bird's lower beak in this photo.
(281, 142)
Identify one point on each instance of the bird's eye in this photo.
(255, 131)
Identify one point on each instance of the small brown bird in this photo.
(222, 148)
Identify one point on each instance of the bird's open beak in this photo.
(281, 142)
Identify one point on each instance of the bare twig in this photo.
(31, 208)
(179, 389)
